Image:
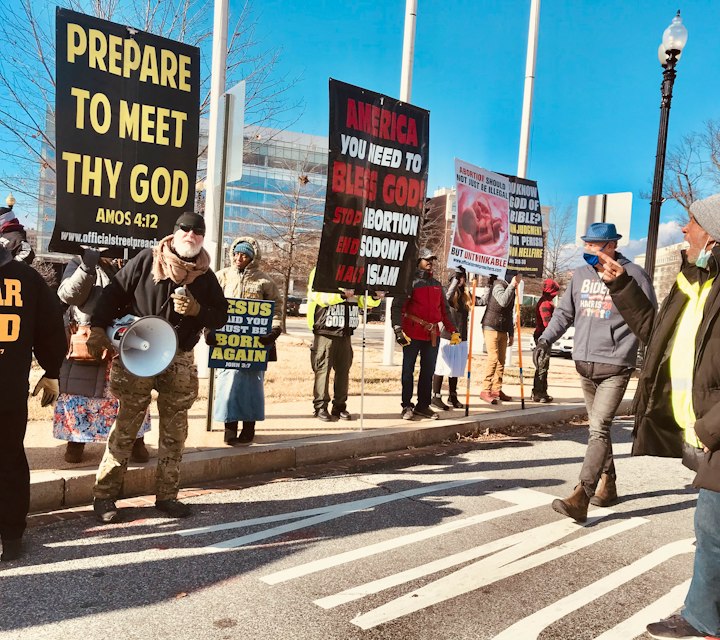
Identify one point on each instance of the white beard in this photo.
(186, 250)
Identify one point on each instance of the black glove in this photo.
(400, 337)
(210, 338)
(541, 352)
(90, 257)
(270, 338)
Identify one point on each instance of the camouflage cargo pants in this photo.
(177, 389)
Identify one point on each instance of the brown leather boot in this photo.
(606, 492)
(575, 507)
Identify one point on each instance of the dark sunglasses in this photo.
(187, 228)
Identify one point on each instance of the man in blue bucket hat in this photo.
(605, 353)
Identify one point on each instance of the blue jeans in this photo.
(428, 357)
(602, 398)
(702, 604)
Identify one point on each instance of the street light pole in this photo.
(674, 39)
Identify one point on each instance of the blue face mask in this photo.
(703, 257)
(591, 258)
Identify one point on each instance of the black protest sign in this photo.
(526, 232)
(126, 121)
(237, 344)
(377, 178)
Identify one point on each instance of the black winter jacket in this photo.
(656, 432)
(133, 291)
(31, 320)
(499, 313)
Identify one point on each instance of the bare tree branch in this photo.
(692, 167)
(290, 232)
(27, 69)
(558, 241)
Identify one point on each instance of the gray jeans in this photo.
(603, 394)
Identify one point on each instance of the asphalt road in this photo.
(457, 546)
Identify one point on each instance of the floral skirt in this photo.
(83, 419)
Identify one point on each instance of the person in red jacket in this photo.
(543, 312)
(416, 318)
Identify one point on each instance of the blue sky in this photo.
(597, 90)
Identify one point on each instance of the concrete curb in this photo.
(53, 490)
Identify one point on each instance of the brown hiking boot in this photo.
(74, 452)
(139, 451)
(487, 396)
(606, 492)
(575, 507)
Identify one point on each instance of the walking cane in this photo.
(519, 346)
(470, 340)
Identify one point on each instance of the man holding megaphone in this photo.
(148, 286)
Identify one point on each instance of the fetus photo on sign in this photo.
(482, 223)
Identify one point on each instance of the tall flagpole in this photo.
(529, 88)
(213, 213)
(524, 149)
(213, 193)
(405, 91)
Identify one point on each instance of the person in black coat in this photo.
(31, 321)
(677, 402)
(148, 286)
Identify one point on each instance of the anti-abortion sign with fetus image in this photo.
(237, 344)
(481, 235)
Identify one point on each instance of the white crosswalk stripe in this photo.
(524, 501)
(530, 628)
(495, 561)
(544, 534)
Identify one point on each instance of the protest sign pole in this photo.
(518, 341)
(362, 362)
(470, 341)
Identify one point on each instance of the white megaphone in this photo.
(146, 345)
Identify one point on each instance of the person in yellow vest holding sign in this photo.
(333, 317)
(678, 397)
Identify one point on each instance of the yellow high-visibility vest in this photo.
(682, 356)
